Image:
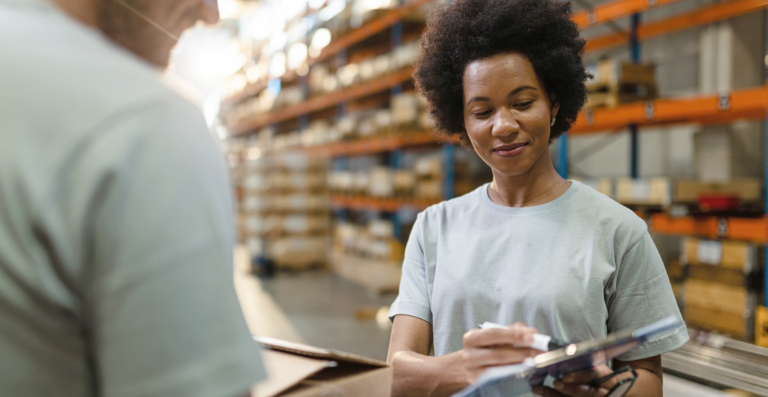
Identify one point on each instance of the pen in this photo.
(540, 341)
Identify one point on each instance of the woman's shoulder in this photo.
(455, 206)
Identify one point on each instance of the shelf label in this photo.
(709, 252)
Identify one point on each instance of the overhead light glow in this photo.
(254, 153)
(333, 8)
(297, 55)
(320, 40)
(277, 64)
(229, 9)
(315, 4)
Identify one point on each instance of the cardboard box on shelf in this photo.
(381, 182)
(404, 182)
(616, 82)
(761, 326)
(647, 191)
(716, 297)
(429, 167)
(613, 71)
(720, 307)
(297, 370)
(299, 252)
(429, 189)
(730, 323)
(727, 254)
(689, 191)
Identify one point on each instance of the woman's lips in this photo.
(510, 150)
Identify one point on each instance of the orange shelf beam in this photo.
(614, 10)
(368, 29)
(322, 102)
(376, 145)
(749, 103)
(378, 204)
(748, 229)
(355, 36)
(702, 16)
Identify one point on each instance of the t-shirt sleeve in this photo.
(640, 295)
(162, 310)
(413, 298)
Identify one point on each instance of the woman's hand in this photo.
(493, 347)
(578, 384)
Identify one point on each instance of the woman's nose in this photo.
(209, 11)
(505, 123)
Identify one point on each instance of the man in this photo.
(115, 214)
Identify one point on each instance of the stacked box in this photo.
(368, 254)
(284, 209)
(721, 289)
(644, 191)
(429, 174)
(616, 82)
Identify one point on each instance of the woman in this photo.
(531, 248)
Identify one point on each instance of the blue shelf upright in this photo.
(634, 49)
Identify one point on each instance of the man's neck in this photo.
(84, 11)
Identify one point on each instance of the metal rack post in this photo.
(562, 156)
(634, 48)
(765, 179)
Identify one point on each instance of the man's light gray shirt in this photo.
(116, 230)
(576, 268)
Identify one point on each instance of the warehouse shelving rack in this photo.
(705, 109)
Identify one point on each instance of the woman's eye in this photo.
(524, 104)
(485, 113)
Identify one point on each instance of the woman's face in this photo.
(507, 113)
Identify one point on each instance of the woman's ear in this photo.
(555, 107)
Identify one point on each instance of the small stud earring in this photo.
(552, 123)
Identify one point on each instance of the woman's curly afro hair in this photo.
(466, 30)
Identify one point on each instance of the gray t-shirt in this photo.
(116, 230)
(576, 268)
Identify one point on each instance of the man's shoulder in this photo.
(65, 68)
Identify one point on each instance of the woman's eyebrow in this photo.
(513, 93)
(520, 89)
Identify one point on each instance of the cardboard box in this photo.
(716, 297)
(729, 323)
(761, 326)
(297, 370)
(689, 191)
(429, 189)
(652, 191)
(728, 254)
(612, 71)
(720, 307)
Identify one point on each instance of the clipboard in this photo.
(518, 379)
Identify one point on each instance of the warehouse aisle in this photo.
(317, 308)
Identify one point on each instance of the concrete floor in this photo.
(320, 309)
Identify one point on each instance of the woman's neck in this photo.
(540, 185)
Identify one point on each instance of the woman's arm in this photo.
(648, 383)
(416, 374)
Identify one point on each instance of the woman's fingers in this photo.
(547, 392)
(499, 355)
(580, 390)
(516, 334)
